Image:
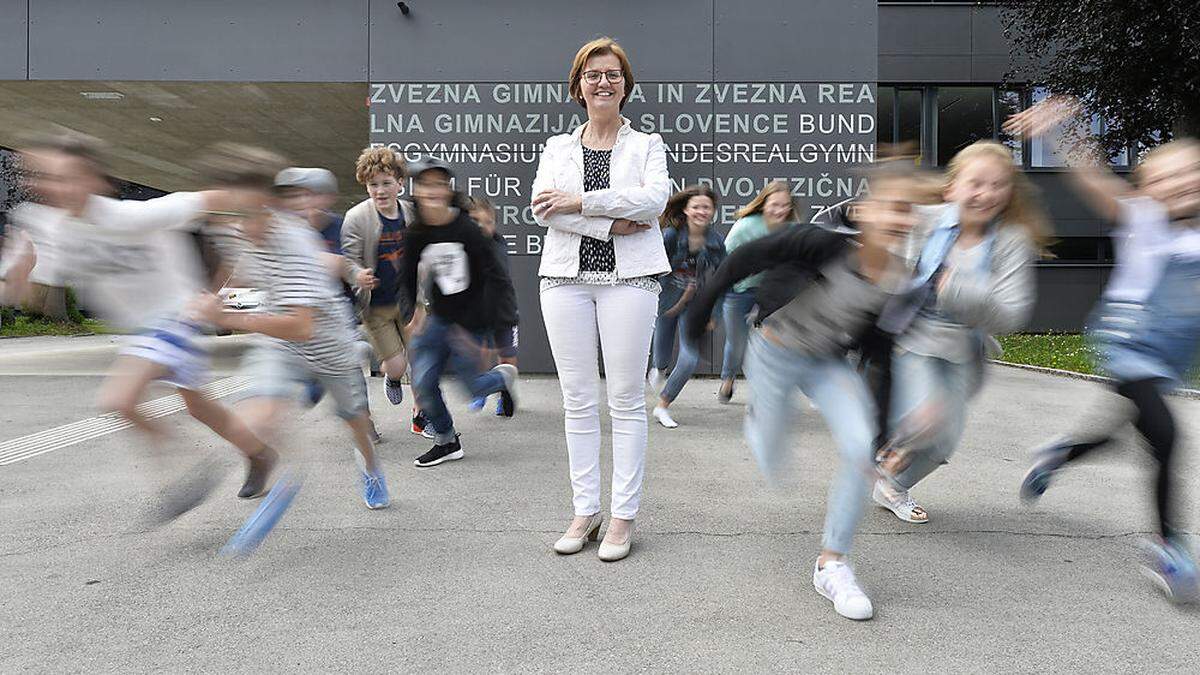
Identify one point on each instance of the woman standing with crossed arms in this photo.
(600, 191)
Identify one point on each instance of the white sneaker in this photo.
(656, 380)
(899, 502)
(837, 583)
(664, 417)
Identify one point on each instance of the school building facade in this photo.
(743, 92)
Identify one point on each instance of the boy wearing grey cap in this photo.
(459, 266)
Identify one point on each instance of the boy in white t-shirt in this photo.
(135, 264)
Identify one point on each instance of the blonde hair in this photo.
(1181, 144)
(598, 47)
(379, 160)
(757, 204)
(1024, 207)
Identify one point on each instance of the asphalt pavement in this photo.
(458, 575)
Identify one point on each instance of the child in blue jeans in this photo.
(459, 266)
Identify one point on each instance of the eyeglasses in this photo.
(593, 76)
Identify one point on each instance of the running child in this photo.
(977, 280)
(460, 266)
(1146, 326)
(136, 265)
(504, 298)
(803, 345)
(306, 325)
(695, 250)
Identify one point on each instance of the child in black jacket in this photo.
(459, 267)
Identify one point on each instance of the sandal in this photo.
(899, 502)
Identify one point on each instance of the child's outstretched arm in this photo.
(1100, 186)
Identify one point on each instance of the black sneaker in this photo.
(444, 452)
(420, 426)
(505, 406)
(257, 474)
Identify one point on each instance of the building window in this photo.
(885, 114)
(1042, 149)
(1066, 250)
(1008, 103)
(909, 118)
(964, 115)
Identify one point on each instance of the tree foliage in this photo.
(1136, 63)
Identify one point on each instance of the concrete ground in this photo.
(458, 574)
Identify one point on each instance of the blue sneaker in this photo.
(1048, 459)
(1171, 564)
(375, 492)
(256, 528)
(477, 404)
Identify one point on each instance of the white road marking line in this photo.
(66, 435)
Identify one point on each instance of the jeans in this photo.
(943, 386)
(580, 320)
(441, 344)
(737, 327)
(774, 374)
(1157, 340)
(665, 329)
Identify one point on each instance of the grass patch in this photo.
(23, 325)
(1064, 351)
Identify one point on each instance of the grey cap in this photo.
(319, 181)
(429, 163)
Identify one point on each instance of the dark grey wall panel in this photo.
(13, 25)
(292, 40)
(811, 41)
(1065, 296)
(923, 68)
(992, 69)
(943, 44)
(1070, 213)
(532, 40)
(987, 32)
(489, 103)
(912, 30)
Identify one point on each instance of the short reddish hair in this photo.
(597, 47)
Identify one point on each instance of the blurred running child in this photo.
(134, 263)
(460, 265)
(1146, 326)
(505, 339)
(306, 325)
(803, 345)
